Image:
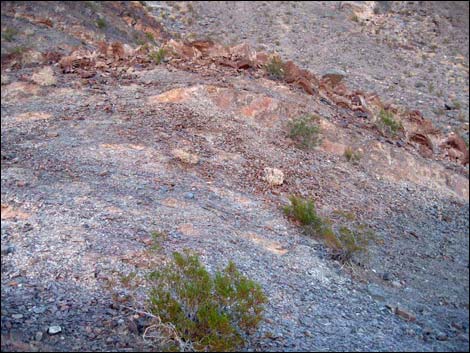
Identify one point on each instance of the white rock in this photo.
(52, 330)
(44, 77)
(274, 176)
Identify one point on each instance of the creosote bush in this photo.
(101, 23)
(209, 313)
(305, 131)
(275, 68)
(352, 155)
(9, 34)
(343, 245)
(158, 56)
(388, 124)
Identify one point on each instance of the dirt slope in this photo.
(104, 147)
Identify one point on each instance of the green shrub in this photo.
(353, 241)
(302, 211)
(157, 237)
(150, 36)
(211, 313)
(305, 131)
(275, 68)
(352, 156)
(158, 56)
(387, 123)
(9, 34)
(343, 245)
(101, 23)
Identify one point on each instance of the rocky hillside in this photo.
(122, 120)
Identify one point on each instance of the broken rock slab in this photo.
(334, 76)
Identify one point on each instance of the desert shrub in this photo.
(343, 245)
(275, 68)
(305, 131)
(150, 36)
(9, 34)
(210, 313)
(352, 156)
(353, 241)
(302, 211)
(101, 23)
(388, 124)
(158, 56)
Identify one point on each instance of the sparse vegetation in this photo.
(457, 104)
(158, 56)
(343, 245)
(431, 87)
(352, 155)
(18, 50)
(354, 18)
(101, 23)
(157, 237)
(9, 34)
(305, 131)
(91, 5)
(275, 68)
(126, 279)
(207, 313)
(388, 124)
(150, 36)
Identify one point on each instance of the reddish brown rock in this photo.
(426, 148)
(408, 316)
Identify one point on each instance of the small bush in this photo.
(302, 211)
(101, 23)
(387, 123)
(457, 104)
(354, 18)
(150, 36)
(9, 34)
(210, 313)
(158, 56)
(343, 245)
(353, 241)
(275, 68)
(305, 131)
(352, 156)
(157, 237)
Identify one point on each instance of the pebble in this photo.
(189, 196)
(442, 336)
(53, 330)
(38, 336)
(17, 316)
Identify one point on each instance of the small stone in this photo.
(5, 80)
(38, 336)
(335, 76)
(53, 330)
(189, 195)
(449, 106)
(185, 157)
(376, 292)
(44, 77)
(39, 310)
(396, 284)
(274, 176)
(442, 336)
(17, 316)
(386, 276)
